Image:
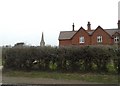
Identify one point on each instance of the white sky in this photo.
(119, 10)
(25, 20)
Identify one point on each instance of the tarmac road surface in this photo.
(26, 80)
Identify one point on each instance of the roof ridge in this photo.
(68, 31)
(112, 29)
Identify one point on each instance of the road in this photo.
(28, 80)
(25, 80)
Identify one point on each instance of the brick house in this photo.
(99, 36)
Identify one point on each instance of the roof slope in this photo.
(111, 31)
(66, 35)
(69, 34)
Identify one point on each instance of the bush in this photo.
(72, 59)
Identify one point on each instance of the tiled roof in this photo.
(66, 34)
(111, 31)
(90, 32)
(69, 34)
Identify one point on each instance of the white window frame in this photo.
(99, 39)
(116, 39)
(82, 39)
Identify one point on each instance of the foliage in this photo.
(72, 59)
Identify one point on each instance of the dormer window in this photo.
(99, 39)
(116, 39)
(82, 39)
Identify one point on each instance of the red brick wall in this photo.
(81, 32)
(106, 39)
(89, 40)
(64, 42)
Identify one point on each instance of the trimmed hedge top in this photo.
(72, 59)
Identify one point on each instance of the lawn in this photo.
(88, 77)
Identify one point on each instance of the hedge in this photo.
(70, 59)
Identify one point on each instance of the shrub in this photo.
(72, 59)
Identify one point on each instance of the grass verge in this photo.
(88, 77)
(0, 61)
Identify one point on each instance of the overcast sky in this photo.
(25, 20)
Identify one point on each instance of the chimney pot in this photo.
(73, 26)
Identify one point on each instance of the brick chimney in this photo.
(73, 27)
(118, 24)
(89, 26)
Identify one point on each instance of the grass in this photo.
(0, 62)
(88, 77)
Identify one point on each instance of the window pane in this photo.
(82, 39)
(99, 39)
(116, 39)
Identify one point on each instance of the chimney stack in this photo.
(118, 24)
(89, 26)
(73, 26)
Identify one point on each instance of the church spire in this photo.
(42, 43)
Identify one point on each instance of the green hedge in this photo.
(72, 59)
